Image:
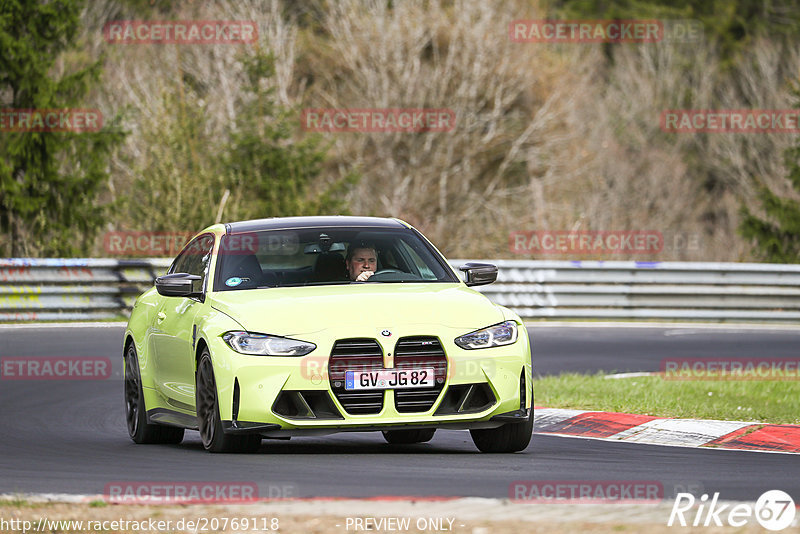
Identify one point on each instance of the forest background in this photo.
(548, 137)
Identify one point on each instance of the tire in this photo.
(208, 419)
(136, 411)
(511, 437)
(406, 437)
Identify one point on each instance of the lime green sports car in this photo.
(306, 326)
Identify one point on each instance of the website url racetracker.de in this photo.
(199, 524)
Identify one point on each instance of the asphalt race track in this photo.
(70, 436)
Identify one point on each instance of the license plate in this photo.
(389, 379)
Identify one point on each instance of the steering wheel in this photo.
(383, 271)
(376, 275)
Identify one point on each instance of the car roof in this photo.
(286, 223)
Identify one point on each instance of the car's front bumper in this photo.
(249, 388)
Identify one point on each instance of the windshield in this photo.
(325, 256)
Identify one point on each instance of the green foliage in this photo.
(49, 181)
(280, 178)
(777, 235)
(180, 181)
(732, 24)
(188, 178)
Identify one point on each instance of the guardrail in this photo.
(73, 289)
(648, 290)
(89, 289)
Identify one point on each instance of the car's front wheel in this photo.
(208, 419)
(510, 437)
(135, 411)
(405, 437)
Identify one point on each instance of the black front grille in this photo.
(355, 355)
(415, 353)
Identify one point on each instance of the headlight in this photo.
(491, 336)
(266, 345)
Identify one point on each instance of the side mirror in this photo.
(478, 274)
(176, 285)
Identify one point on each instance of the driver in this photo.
(361, 262)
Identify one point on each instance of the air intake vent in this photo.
(306, 405)
(466, 398)
(356, 355)
(416, 353)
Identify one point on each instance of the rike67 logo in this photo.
(774, 510)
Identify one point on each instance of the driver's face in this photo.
(364, 259)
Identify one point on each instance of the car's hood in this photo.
(298, 310)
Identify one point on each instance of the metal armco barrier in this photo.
(90, 289)
(761, 292)
(73, 289)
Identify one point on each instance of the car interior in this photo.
(316, 259)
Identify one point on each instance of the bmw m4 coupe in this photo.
(304, 326)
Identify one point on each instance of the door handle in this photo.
(161, 316)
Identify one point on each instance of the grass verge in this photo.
(776, 402)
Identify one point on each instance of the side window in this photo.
(194, 259)
(419, 265)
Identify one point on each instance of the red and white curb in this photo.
(635, 428)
